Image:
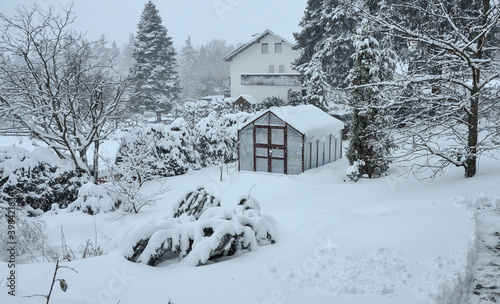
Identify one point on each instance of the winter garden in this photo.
(120, 184)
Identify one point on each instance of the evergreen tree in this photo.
(370, 141)
(125, 59)
(311, 33)
(326, 47)
(316, 83)
(187, 69)
(154, 79)
(212, 72)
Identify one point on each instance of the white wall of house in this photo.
(253, 61)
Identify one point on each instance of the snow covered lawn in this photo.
(389, 240)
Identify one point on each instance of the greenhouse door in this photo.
(270, 149)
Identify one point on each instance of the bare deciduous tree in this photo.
(449, 95)
(52, 85)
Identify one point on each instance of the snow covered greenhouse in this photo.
(289, 140)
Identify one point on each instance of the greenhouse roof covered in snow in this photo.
(309, 120)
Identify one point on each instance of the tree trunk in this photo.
(158, 116)
(96, 161)
(470, 161)
(472, 140)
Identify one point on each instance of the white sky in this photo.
(232, 20)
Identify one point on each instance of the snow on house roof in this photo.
(248, 98)
(255, 39)
(212, 97)
(309, 120)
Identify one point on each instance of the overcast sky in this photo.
(232, 20)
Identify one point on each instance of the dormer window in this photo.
(265, 48)
(278, 47)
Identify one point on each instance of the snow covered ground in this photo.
(389, 240)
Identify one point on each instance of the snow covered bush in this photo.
(217, 232)
(195, 203)
(158, 150)
(272, 101)
(193, 112)
(217, 137)
(93, 199)
(38, 178)
(30, 232)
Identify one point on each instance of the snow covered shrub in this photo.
(194, 111)
(217, 137)
(131, 193)
(38, 178)
(295, 98)
(158, 150)
(273, 101)
(195, 203)
(217, 232)
(93, 199)
(30, 232)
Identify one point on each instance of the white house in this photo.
(262, 67)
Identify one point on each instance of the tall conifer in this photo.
(154, 79)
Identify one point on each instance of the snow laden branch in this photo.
(53, 85)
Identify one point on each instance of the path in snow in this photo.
(485, 285)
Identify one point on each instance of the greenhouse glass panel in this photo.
(246, 148)
(261, 136)
(278, 166)
(262, 165)
(263, 121)
(263, 152)
(275, 121)
(278, 153)
(294, 151)
(314, 155)
(278, 137)
(321, 153)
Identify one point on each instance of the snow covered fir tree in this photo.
(370, 141)
(187, 75)
(326, 47)
(154, 78)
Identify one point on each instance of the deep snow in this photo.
(389, 240)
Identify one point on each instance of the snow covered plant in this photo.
(30, 232)
(195, 203)
(217, 137)
(93, 199)
(215, 233)
(157, 151)
(38, 178)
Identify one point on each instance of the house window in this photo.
(278, 47)
(281, 69)
(271, 69)
(265, 48)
